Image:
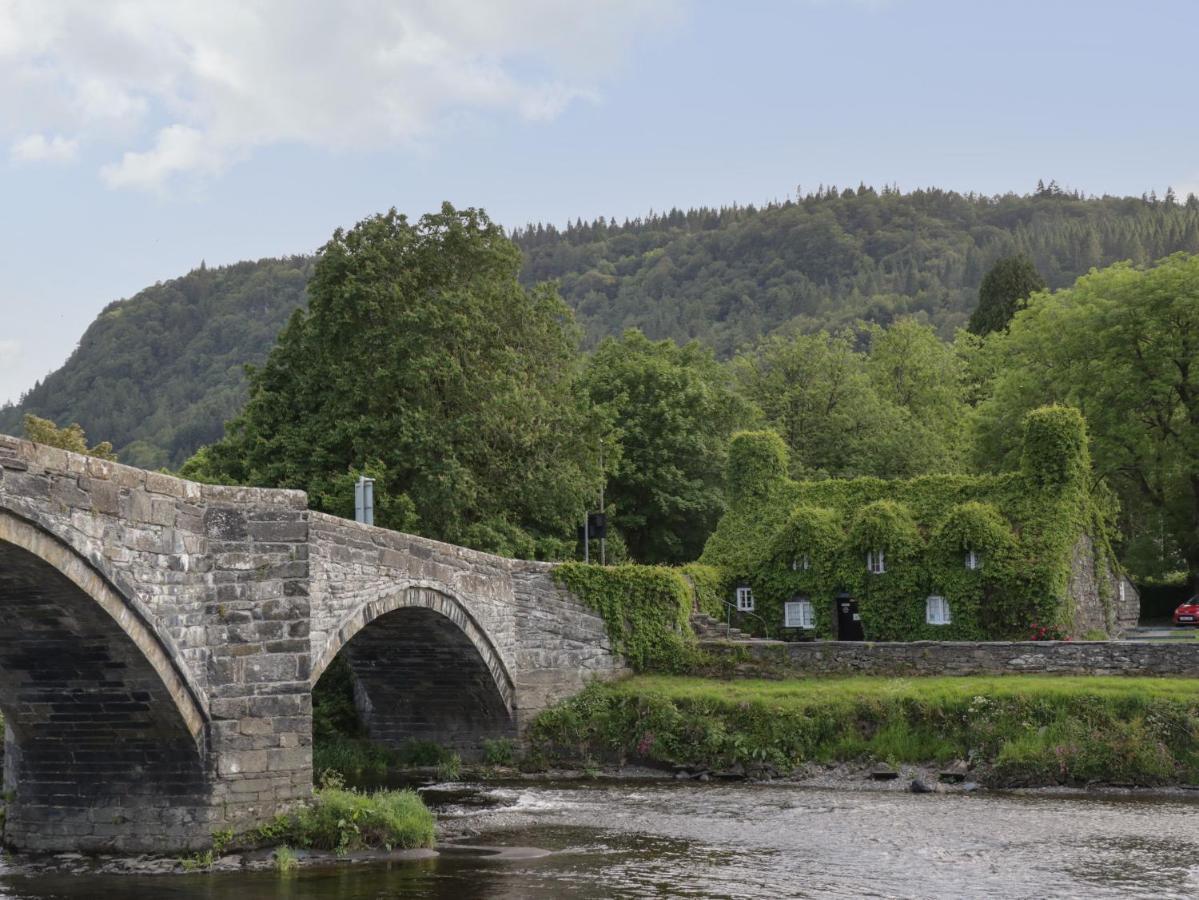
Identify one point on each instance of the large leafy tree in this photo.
(1005, 289)
(672, 410)
(1123, 346)
(870, 401)
(421, 361)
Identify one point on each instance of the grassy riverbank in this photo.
(1015, 730)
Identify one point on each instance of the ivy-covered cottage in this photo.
(950, 557)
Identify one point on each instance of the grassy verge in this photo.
(1017, 730)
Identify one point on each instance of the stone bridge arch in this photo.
(105, 731)
(424, 669)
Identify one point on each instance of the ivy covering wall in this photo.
(646, 609)
(810, 540)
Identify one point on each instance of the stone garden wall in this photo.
(777, 659)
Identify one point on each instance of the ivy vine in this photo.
(791, 539)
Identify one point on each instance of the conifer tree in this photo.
(1009, 283)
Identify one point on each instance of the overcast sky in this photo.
(138, 137)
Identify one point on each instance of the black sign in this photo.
(597, 525)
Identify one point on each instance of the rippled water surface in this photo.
(718, 840)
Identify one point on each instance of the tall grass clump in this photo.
(345, 820)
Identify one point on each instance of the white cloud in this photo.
(188, 88)
(10, 354)
(37, 148)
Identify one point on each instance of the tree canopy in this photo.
(829, 257)
(69, 437)
(672, 411)
(160, 373)
(422, 362)
(893, 408)
(1123, 346)
(1005, 289)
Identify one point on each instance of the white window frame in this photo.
(798, 613)
(801, 563)
(876, 563)
(974, 560)
(937, 611)
(745, 598)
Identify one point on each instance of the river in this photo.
(636, 839)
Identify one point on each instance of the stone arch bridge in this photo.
(160, 640)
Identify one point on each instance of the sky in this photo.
(138, 138)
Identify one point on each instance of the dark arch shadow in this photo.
(105, 742)
(422, 673)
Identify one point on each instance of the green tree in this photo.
(1123, 346)
(925, 378)
(893, 409)
(69, 437)
(672, 410)
(422, 362)
(1005, 289)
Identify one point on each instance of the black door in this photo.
(849, 623)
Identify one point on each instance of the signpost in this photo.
(364, 500)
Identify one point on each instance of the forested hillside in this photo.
(160, 373)
(731, 275)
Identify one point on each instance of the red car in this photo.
(1188, 613)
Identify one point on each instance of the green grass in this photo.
(1018, 729)
(285, 859)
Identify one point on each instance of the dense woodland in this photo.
(159, 374)
(729, 276)
(476, 375)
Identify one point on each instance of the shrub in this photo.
(499, 752)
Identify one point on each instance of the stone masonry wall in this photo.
(211, 579)
(776, 659)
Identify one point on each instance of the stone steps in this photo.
(708, 628)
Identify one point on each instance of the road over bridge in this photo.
(161, 638)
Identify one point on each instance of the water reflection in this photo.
(738, 841)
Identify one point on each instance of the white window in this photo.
(874, 562)
(797, 613)
(936, 611)
(801, 563)
(745, 599)
(974, 561)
